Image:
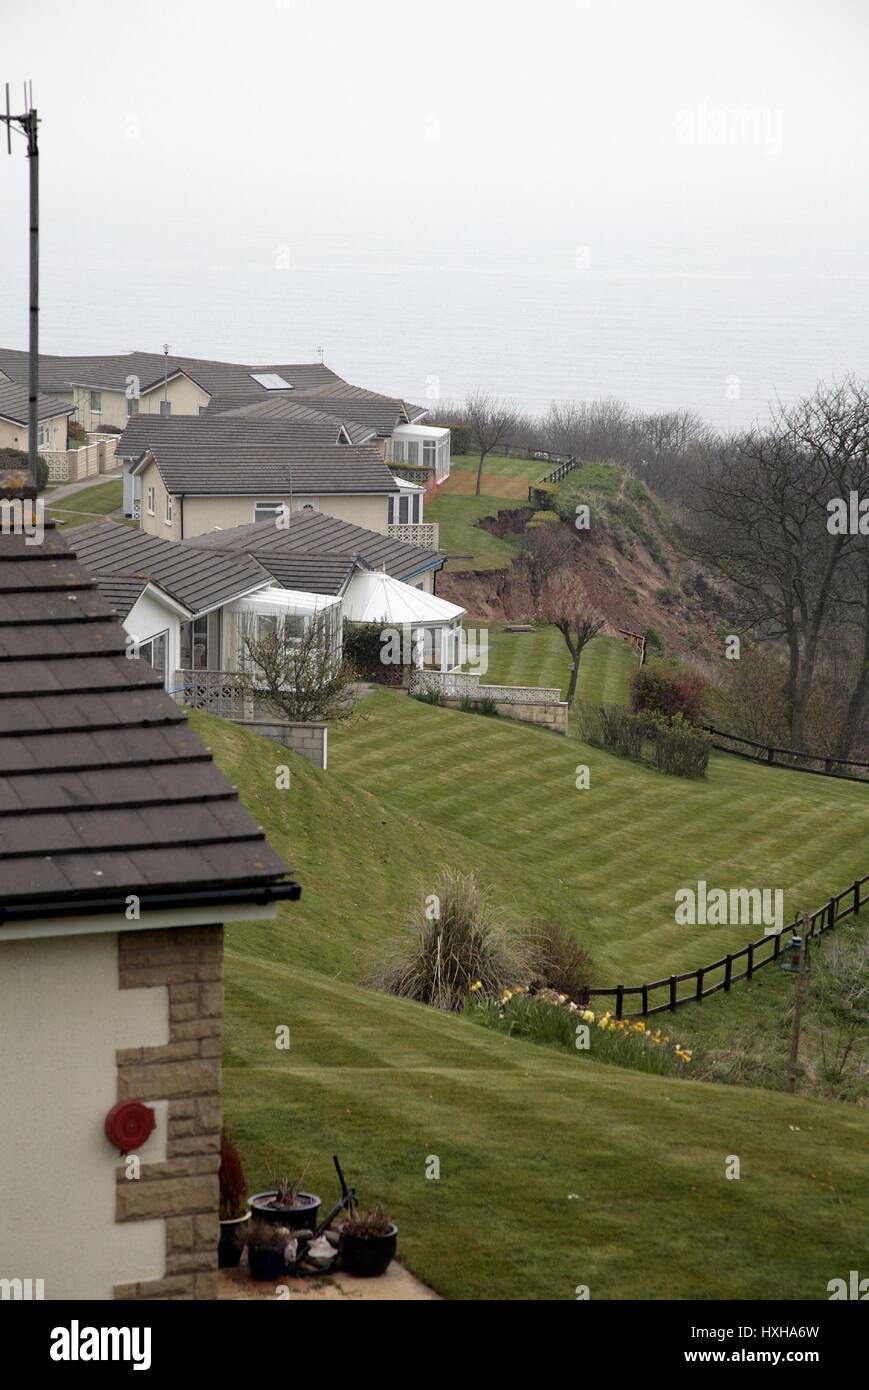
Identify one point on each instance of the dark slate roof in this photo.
(313, 537)
(104, 788)
(209, 455)
(194, 577)
(317, 424)
(230, 380)
(121, 591)
(14, 404)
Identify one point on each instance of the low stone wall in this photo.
(532, 704)
(182, 1190)
(310, 741)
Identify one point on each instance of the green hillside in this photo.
(555, 1170)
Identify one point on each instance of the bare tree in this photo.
(566, 605)
(490, 422)
(763, 526)
(544, 550)
(298, 673)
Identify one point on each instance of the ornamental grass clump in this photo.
(457, 937)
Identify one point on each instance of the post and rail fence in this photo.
(721, 974)
(774, 756)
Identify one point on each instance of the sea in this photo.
(726, 341)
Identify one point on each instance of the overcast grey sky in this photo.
(387, 134)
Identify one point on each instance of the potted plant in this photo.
(267, 1249)
(287, 1205)
(367, 1243)
(233, 1204)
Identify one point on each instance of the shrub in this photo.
(680, 748)
(654, 642)
(18, 458)
(614, 728)
(667, 690)
(363, 648)
(77, 431)
(428, 697)
(484, 705)
(233, 1184)
(463, 942)
(561, 962)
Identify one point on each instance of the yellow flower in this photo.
(640, 1027)
(587, 1015)
(478, 984)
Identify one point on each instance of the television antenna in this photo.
(27, 124)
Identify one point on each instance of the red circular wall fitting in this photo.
(129, 1124)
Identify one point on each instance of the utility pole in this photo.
(165, 374)
(27, 124)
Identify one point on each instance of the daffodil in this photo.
(478, 984)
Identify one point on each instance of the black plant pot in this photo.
(300, 1218)
(368, 1256)
(231, 1242)
(266, 1264)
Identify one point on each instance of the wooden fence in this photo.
(788, 757)
(721, 974)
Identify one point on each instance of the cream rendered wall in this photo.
(184, 396)
(14, 436)
(156, 525)
(62, 1017)
(203, 514)
(113, 408)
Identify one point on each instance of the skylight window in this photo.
(271, 381)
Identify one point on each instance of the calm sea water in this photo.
(723, 342)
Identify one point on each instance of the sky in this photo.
(369, 137)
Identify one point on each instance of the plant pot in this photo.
(266, 1264)
(299, 1218)
(231, 1242)
(368, 1256)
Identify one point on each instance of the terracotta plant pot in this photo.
(231, 1242)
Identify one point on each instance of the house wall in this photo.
(60, 1079)
(179, 1192)
(184, 396)
(156, 525)
(113, 411)
(202, 514)
(13, 436)
(148, 618)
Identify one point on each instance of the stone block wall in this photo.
(311, 741)
(183, 1189)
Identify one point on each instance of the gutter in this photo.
(287, 891)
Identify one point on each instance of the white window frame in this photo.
(270, 510)
(167, 513)
(43, 434)
(96, 402)
(308, 504)
(150, 500)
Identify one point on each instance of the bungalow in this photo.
(124, 851)
(53, 414)
(193, 475)
(107, 391)
(190, 605)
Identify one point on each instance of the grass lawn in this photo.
(460, 534)
(555, 1170)
(89, 504)
(457, 510)
(541, 658)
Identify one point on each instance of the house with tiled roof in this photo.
(190, 606)
(192, 475)
(53, 415)
(123, 852)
